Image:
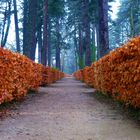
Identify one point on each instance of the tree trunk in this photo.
(57, 58)
(45, 34)
(103, 27)
(93, 34)
(26, 50)
(87, 33)
(7, 16)
(97, 39)
(32, 40)
(58, 66)
(16, 26)
(75, 49)
(62, 62)
(30, 30)
(3, 28)
(39, 38)
(49, 43)
(132, 23)
(81, 58)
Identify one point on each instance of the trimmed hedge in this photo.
(18, 74)
(117, 74)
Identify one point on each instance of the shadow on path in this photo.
(67, 110)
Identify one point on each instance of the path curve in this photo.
(67, 111)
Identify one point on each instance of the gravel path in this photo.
(67, 111)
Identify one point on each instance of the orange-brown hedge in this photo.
(117, 74)
(18, 74)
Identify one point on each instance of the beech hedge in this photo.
(117, 74)
(19, 74)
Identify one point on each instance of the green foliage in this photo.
(56, 8)
(127, 24)
(93, 54)
(54, 68)
(81, 63)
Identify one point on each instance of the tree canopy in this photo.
(67, 34)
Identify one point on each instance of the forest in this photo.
(67, 34)
(69, 69)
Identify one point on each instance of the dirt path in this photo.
(67, 111)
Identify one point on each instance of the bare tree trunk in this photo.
(7, 17)
(45, 34)
(26, 50)
(16, 26)
(58, 57)
(87, 33)
(58, 65)
(49, 43)
(32, 26)
(4, 24)
(81, 53)
(93, 34)
(97, 39)
(103, 27)
(29, 26)
(40, 42)
(132, 23)
(62, 62)
(76, 49)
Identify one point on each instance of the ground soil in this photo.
(67, 110)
